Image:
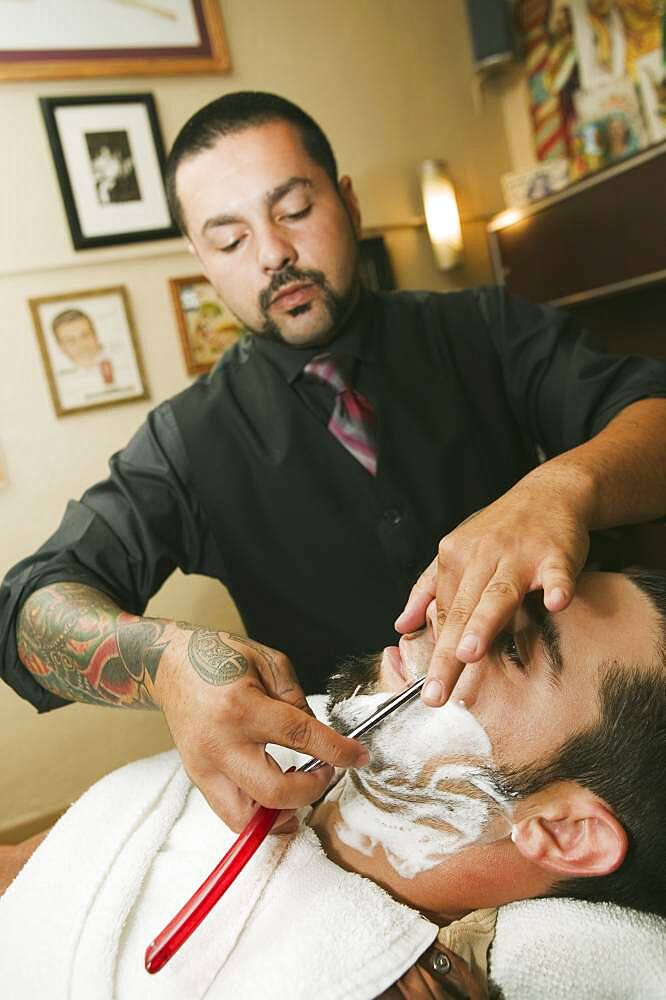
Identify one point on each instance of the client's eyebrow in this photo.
(549, 635)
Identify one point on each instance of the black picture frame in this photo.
(142, 213)
(376, 268)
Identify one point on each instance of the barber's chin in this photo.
(392, 674)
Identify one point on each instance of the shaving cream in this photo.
(429, 787)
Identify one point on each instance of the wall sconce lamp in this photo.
(442, 216)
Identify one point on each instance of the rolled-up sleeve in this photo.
(562, 389)
(124, 537)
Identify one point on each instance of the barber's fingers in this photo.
(251, 779)
(557, 579)
(267, 720)
(503, 595)
(413, 615)
(278, 676)
(454, 613)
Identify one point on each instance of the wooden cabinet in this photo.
(602, 236)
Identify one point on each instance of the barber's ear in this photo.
(568, 830)
(348, 196)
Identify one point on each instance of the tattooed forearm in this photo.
(82, 646)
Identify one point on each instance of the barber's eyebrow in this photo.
(270, 198)
(549, 634)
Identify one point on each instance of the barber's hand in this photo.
(224, 697)
(535, 537)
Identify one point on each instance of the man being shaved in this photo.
(542, 777)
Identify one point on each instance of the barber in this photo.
(315, 472)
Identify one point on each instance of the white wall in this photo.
(391, 81)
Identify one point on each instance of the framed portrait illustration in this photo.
(50, 40)
(205, 324)
(89, 349)
(109, 160)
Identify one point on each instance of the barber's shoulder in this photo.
(234, 357)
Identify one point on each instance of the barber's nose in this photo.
(275, 250)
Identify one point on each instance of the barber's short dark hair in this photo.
(68, 316)
(622, 759)
(234, 113)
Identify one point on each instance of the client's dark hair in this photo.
(235, 113)
(622, 759)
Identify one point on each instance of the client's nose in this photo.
(468, 684)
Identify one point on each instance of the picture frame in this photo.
(206, 326)
(93, 38)
(89, 349)
(375, 263)
(109, 160)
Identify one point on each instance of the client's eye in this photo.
(509, 650)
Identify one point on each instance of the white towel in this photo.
(114, 870)
(563, 949)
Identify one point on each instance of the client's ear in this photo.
(569, 830)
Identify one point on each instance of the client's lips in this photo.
(296, 294)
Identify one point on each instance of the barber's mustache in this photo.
(287, 276)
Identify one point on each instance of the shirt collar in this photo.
(355, 340)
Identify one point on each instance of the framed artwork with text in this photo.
(89, 349)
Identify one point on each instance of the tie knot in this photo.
(334, 371)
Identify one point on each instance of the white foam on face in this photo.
(428, 789)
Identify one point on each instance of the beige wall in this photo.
(391, 81)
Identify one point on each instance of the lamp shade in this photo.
(441, 212)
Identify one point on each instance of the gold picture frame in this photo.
(206, 326)
(89, 348)
(116, 38)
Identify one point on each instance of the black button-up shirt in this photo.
(237, 478)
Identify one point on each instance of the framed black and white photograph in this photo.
(109, 160)
(51, 40)
(89, 349)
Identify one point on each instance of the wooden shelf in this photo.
(602, 236)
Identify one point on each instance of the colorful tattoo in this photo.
(81, 646)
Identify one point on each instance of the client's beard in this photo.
(355, 675)
(430, 788)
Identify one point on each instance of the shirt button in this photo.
(394, 516)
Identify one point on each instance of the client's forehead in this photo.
(609, 620)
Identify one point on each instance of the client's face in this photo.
(435, 787)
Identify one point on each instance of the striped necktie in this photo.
(353, 419)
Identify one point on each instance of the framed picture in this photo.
(44, 40)
(652, 82)
(206, 326)
(89, 349)
(376, 267)
(109, 160)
